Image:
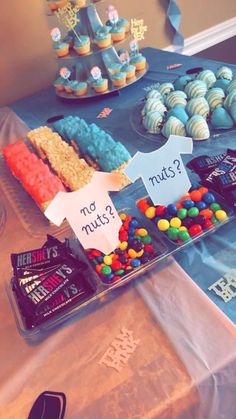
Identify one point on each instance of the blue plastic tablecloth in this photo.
(210, 258)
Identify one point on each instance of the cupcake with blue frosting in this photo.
(69, 38)
(59, 84)
(129, 70)
(103, 37)
(56, 4)
(80, 88)
(61, 48)
(82, 45)
(119, 79)
(117, 33)
(139, 61)
(114, 68)
(100, 85)
(69, 85)
(122, 21)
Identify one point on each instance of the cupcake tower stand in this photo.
(80, 66)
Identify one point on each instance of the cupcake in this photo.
(224, 73)
(198, 106)
(197, 128)
(179, 112)
(153, 105)
(69, 39)
(119, 79)
(220, 119)
(208, 77)
(69, 85)
(178, 97)
(62, 48)
(196, 88)
(56, 4)
(129, 70)
(152, 122)
(173, 126)
(100, 85)
(80, 88)
(114, 68)
(103, 37)
(59, 84)
(124, 23)
(215, 97)
(82, 45)
(79, 3)
(166, 88)
(117, 33)
(139, 61)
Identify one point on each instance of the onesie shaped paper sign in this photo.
(90, 212)
(162, 171)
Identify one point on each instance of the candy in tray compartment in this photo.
(136, 248)
(195, 213)
(34, 175)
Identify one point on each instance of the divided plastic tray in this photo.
(101, 288)
(124, 201)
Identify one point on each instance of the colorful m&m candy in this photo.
(195, 212)
(135, 249)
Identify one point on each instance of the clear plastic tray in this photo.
(175, 246)
(37, 333)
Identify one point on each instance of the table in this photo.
(184, 362)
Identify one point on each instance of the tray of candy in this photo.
(198, 213)
(95, 276)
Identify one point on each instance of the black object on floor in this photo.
(49, 405)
